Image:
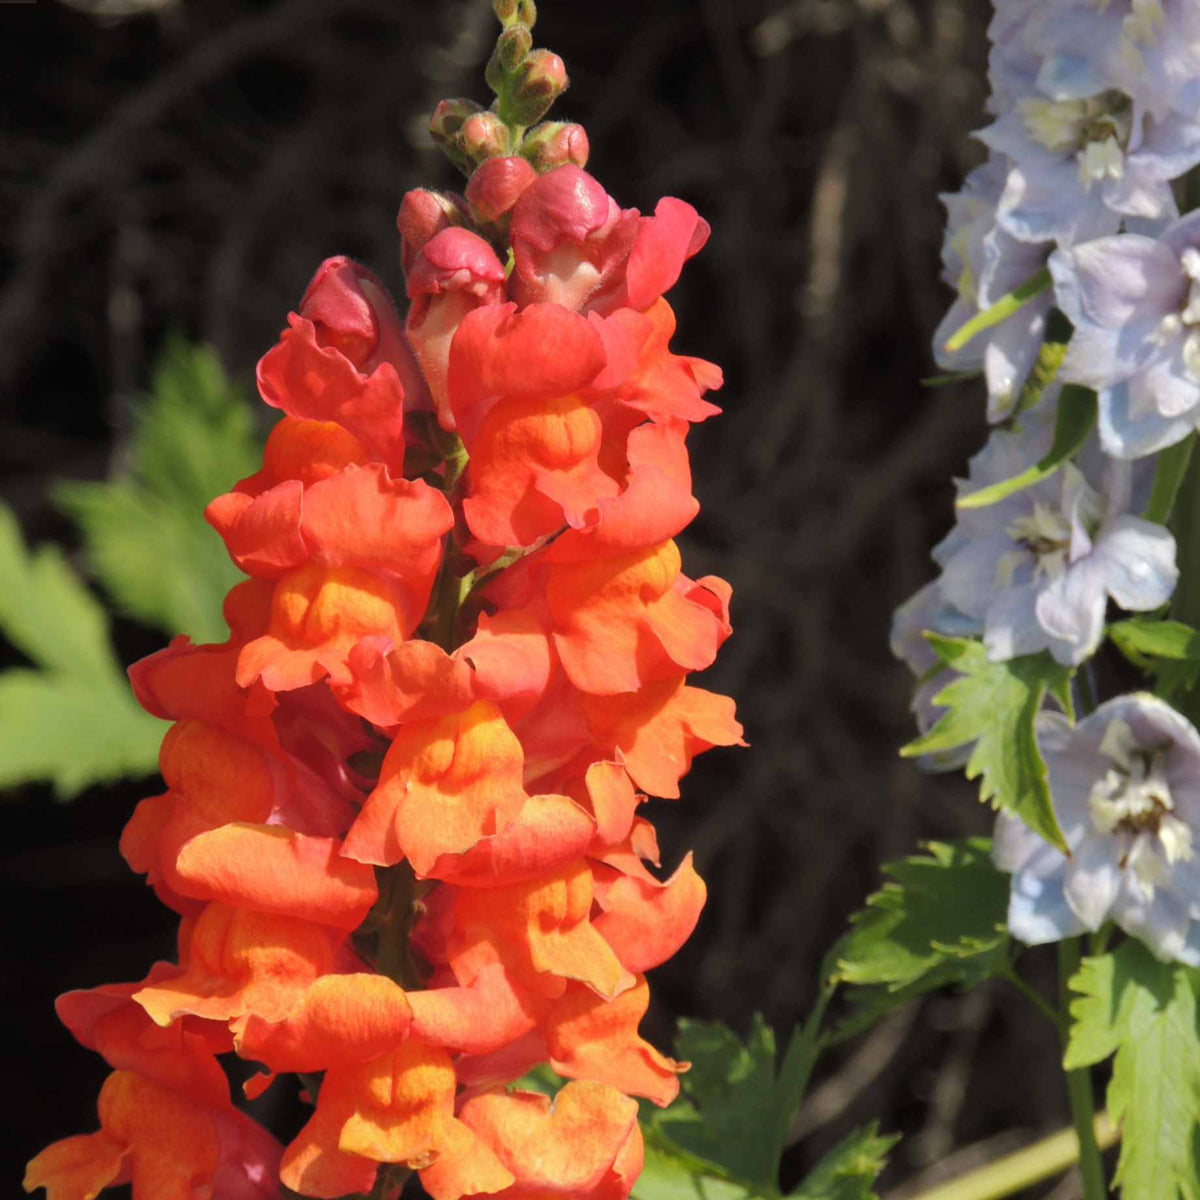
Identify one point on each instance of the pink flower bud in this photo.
(448, 117)
(569, 238)
(497, 185)
(555, 144)
(422, 214)
(456, 271)
(484, 135)
(540, 80)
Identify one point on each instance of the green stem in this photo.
(1022, 1169)
(1038, 1001)
(1079, 1088)
(1001, 310)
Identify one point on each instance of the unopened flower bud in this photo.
(511, 48)
(555, 144)
(497, 185)
(540, 80)
(509, 12)
(484, 135)
(422, 214)
(449, 116)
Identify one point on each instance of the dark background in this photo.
(187, 168)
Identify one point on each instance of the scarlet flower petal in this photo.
(77, 1168)
(262, 533)
(539, 353)
(480, 1018)
(414, 681)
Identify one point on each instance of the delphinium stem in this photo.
(1079, 1089)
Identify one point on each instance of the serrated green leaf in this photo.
(74, 721)
(1144, 1011)
(1074, 420)
(995, 705)
(144, 531)
(940, 919)
(1155, 639)
(670, 1174)
(849, 1170)
(1168, 650)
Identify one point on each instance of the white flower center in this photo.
(1096, 130)
(1173, 325)
(1048, 532)
(1133, 802)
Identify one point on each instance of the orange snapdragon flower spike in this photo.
(405, 822)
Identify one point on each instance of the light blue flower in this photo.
(1125, 787)
(984, 262)
(1149, 49)
(1038, 567)
(1135, 305)
(1082, 165)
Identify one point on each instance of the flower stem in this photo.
(1079, 1088)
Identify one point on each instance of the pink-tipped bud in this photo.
(511, 48)
(555, 144)
(510, 11)
(484, 135)
(422, 214)
(497, 185)
(445, 127)
(455, 272)
(539, 81)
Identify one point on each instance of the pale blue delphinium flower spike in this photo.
(1125, 786)
(1038, 567)
(1135, 305)
(983, 263)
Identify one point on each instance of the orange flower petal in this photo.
(271, 869)
(620, 621)
(646, 922)
(342, 1019)
(444, 785)
(540, 931)
(77, 1168)
(242, 962)
(592, 1038)
(478, 1019)
(574, 1148)
(414, 681)
(659, 730)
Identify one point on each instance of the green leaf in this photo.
(1169, 470)
(1001, 310)
(669, 1173)
(1073, 422)
(731, 1121)
(849, 1170)
(995, 705)
(144, 531)
(1045, 368)
(1144, 1011)
(73, 721)
(1168, 650)
(940, 919)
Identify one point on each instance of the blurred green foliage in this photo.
(69, 717)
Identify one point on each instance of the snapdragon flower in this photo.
(1125, 785)
(1037, 568)
(983, 262)
(1135, 305)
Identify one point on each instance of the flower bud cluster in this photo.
(403, 821)
(1077, 294)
